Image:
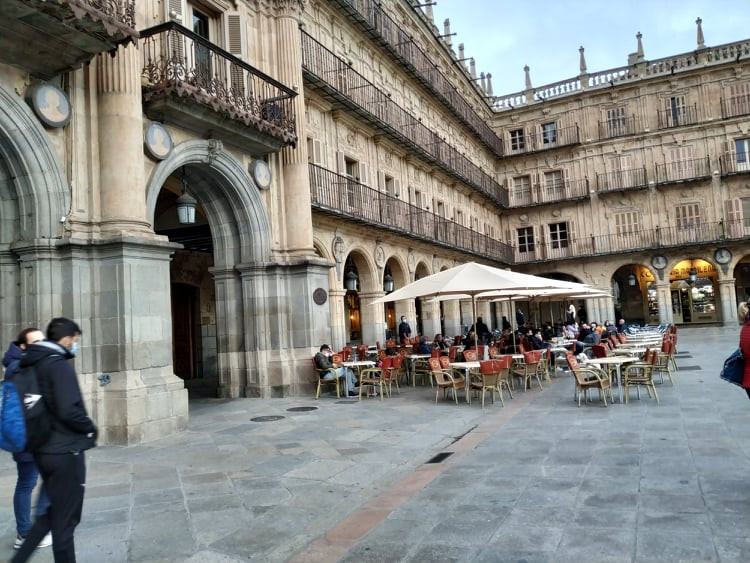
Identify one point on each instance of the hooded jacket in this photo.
(11, 358)
(72, 428)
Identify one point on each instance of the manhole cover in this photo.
(301, 409)
(270, 418)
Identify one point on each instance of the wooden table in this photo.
(616, 361)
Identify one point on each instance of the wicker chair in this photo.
(490, 373)
(374, 378)
(333, 381)
(640, 373)
(445, 380)
(532, 366)
(589, 377)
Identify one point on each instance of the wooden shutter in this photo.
(566, 188)
(734, 219)
(175, 11)
(362, 171)
(236, 41)
(572, 240)
(396, 188)
(341, 163)
(381, 181)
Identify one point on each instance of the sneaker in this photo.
(353, 394)
(19, 542)
(46, 540)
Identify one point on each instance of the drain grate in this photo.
(440, 458)
(347, 402)
(689, 368)
(301, 409)
(269, 418)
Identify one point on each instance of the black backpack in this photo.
(34, 392)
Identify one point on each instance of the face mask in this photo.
(74, 349)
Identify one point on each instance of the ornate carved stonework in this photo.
(379, 255)
(411, 261)
(337, 246)
(289, 8)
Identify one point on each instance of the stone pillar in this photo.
(430, 318)
(372, 317)
(728, 302)
(229, 333)
(451, 318)
(299, 233)
(339, 337)
(121, 174)
(664, 298)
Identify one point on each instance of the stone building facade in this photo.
(327, 150)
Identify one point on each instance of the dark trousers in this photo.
(64, 477)
(747, 390)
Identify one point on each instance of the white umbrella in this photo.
(470, 280)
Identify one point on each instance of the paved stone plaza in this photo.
(537, 480)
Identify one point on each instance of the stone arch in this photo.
(422, 269)
(228, 195)
(39, 196)
(399, 270)
(366, 268)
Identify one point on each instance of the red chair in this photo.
(489, 380)
(445, 380)
(532, 366)
(600, 351)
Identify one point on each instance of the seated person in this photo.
(535, 340)
(548, 332)
(621, 326)
(323, 361)
(471, 339)
(424, 347)
(440, 344)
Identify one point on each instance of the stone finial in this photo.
(639, 50)
(526, 70)
(489, 84)
(461, 55)
(472, 68)
(447, 31)
(701, 42)
(430, 15)
(483, 82)
(582, 60)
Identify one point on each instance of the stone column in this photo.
(430, 318)
(371, 317)
(229, 333)
(728, 302)
(664, 297)
(299, 233)
(339, 337)
(451, 318)
(121, 173)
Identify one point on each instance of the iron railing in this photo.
(694, 233)
(735, 163)
(683, 170)
(619, 127)
(678, 117)
(549, 192)
(733, 106)
(621, 180)
(398, 42)
(178, 61)
(345, 197)
(377, 107)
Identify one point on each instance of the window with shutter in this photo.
(549, 134)
(627, 229)
(742, 154)
(553, 185)
(558, 235)
(522, 190)
(616, 122)
(175, 11)
(681, 165)
(675, 112)
(234, 31)
(525, 236)
(687, 216)
(738, 102)
(517, 140)
(737, 219)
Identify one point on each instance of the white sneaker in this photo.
(19, 542)
(46, 540)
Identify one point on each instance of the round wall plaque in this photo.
(157, 141)
(50, 104)
(320, 296)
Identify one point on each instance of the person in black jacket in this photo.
(60, 460)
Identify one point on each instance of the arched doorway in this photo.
(635, 295)
(398, 278)
(693, 285)
(225, 333)
(742, 279)
(353, 321)
(420, 272)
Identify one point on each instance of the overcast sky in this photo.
(504, 36)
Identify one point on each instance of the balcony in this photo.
(194, 84)
(692, 234)
(683, 171)
(344, 87)
(542, 139)
(678, 117)
(735, 163)
(369, 15)
(344, 197)
(550, 192)
(619, 127)
(621, 180)
(735, 106)
(45, 38)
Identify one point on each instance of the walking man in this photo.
(60, 460)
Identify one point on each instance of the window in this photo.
(517, 141)
(742, 153)
(558, 235)
(675, 111)
(688, 216)
(549, 133)
(738, 102)
(617, 123)
(626, 223)
(522, 189)
(525, 239)
(681, 164)
(745, 211)
(553, 184)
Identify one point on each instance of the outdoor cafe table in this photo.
(411, 360)
(357, 366)
(616, 361)
(629, 351)
(466, 366)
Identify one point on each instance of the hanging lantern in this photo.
(350, 280)
(388, 283)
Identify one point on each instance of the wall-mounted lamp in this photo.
(350, 280)
(388, 282)
(185, 204)
(693, 275)
(632, 279)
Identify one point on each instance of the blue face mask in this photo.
(74, 349)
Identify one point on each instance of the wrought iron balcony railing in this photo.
(371, 16)
(638, 240)
(733, 162)
(683, 171)
(619, 127)
(345, 197)
(621, 180)
(734, 106)
(678, 117)
(348, 87)
(549, 192)
(179, 62)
